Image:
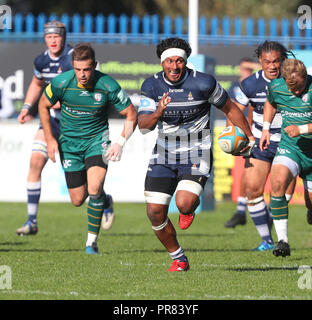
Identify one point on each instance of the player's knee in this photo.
(78, 200)
(187, 205)
(253, 192)
(154, 210)
(37, 162)
(95, 190)
(187, 197)
(278, 186)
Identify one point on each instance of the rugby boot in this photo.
(282, 249)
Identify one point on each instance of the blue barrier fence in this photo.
(151, 29)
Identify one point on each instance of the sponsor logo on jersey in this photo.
(305, 97)
(145, 103)
(84, 94)
(190, 96)
(261, 94)
(67, 163)
(176, 90)
(98, 97)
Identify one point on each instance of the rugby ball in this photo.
(232, 140)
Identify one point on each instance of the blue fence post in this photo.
(296, 33)
(76, 22)
(18, 23)
(273, 28)
(41, 20)
(202, 28)
(249, 29)
(179, 23)
(214, 29)
(238, 29)
(123, 27)
(30, 26)
(146, 28)
(167, 26)
(261, 28)
(65, 19)
(99, 26)
(111, 27)
(52, 17)
(155, 28)
(30, 23)
(285, 31)
(226, 24)
(88, 23)
(135, 27)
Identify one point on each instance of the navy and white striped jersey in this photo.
(253, 90)
(46, 68)
(184, 130)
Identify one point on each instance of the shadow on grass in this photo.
(264, 268)
(12, 243)
(41, 250)
(16, 244)
(152, 234)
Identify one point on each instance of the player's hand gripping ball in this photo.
(232, 140)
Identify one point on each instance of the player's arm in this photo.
(241, 108)
(250, 115)
(148, 121)
(295, 131)
(32, 95)
(269, 112)
(44, 114)
(114, 152)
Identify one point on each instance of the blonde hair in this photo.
(291, 69)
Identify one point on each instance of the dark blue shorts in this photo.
(265, 155)
(55, 124)
(165, 178)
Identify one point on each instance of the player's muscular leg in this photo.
(281, 177)
(255, 176)
(163, 228)
(38, 158)
(94, 186)
(78, 195)
(95, 177)
(186, 201)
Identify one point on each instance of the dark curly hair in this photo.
(173, 43)
(268, 46)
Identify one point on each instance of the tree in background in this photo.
(241, 8)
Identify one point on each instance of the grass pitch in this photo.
(132, 263)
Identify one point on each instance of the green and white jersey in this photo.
(295, 110)
(84, 111)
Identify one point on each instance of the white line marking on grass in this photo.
(245, 265)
